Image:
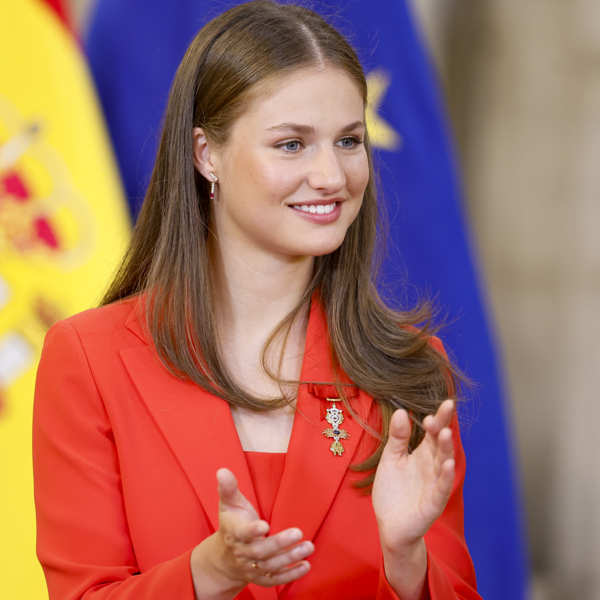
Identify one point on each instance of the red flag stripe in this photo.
(62, 11)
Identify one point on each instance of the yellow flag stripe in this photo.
(63, 227)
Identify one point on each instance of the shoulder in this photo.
(433, 340)
(437, 344)
(95, 319)
(116, 324)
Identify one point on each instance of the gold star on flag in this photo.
(381, 134)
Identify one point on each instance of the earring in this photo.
(213, 181)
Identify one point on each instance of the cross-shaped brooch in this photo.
(335, 417)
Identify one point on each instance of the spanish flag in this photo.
(63, 227)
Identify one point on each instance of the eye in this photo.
(350, 142)
(291, 146)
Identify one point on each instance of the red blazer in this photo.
(125, 456)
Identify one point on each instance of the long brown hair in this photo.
(383, 351)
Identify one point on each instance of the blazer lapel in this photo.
(312, 473)
(197, 426)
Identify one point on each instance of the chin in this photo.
(323, 248)
(316, 245)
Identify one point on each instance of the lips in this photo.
(319, 211)
(321, 206)
(317, 202)
(315, 209)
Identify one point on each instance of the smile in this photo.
(315, 209)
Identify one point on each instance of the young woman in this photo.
(244, 417)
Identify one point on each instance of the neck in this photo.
(255, 291)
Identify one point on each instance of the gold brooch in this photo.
(335, 417)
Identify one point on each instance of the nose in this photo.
(327, 173)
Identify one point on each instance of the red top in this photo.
(125, 453)
(265, 469)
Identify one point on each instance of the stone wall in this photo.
(522, 80)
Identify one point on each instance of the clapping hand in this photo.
(243, 553)
(410, 491)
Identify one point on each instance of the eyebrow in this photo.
(306, 129)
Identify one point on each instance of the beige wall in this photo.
(523, 82)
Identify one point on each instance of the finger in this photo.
(227, 486)
(265, 548)
(287, 559)
(444, 485)
(444, 449)
(433, 424)
(230, 495)
(445, 444)
(284, 576)
(237, 531)
(445, 413)
(399, 433)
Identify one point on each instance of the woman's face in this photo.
(294, 170)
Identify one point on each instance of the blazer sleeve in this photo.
(83, 541)
(450, 573)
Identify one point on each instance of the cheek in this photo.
(358, 175)
(273, 180)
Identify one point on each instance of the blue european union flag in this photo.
(134, 48)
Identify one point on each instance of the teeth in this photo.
(316, 209)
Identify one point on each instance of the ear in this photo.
(201, 151)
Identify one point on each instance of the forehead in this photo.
(311, 96)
